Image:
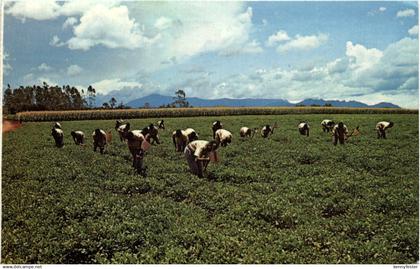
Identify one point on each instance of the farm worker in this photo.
(181, 138)
(327, 125)
(78, 137)
(192, 134)
(198, 154)
(58, 135)
(99, 140)
(381, 127)
(58, 125)
(123, 130)
(267, 130)
(151, 132)
(118, 123)
(216, 126)
(247, 132)
(223, 137)
(303, 128)
(137, 145)
(340, 132)
(161, 124)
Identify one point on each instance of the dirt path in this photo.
(10, 125)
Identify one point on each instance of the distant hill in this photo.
(335, 103)
(156, 100)
(385, 105)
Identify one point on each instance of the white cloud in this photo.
(163, 23)
(364, 74)
(7, 68)
(74, 70)
(211, 27)
(278, 37)
(303, 43)
(154, 32)
(6, 65)
(44, 67)
(403, 99)
(47, 80)
(51, 9)
(406, 13)
(55, 42)
(337, 66)
(110, 27)
(250, 48)
(79, 7)
(69, 22)
(377, 11)
(414, 30)
(28, 78)
(37, 10)
(107, 85)
(360, 57)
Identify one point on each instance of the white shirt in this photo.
(222, 135)
(302, 125)
(197, 147)
(383, 125)
(244, 131)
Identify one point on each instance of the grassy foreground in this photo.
(287, 199)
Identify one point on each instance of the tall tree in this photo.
(43, 97)
(180, 99)
(91, 95)
(112, 102)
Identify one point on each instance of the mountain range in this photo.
(156, 100)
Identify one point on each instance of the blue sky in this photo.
(365, 51)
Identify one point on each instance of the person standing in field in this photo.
(223, 137)
(181, 138)
(137, 145)
(78, 137)
(151, 132)
(58, 135)
(303, 128)
(161, 124)
(216, 126)
(118, 123)
(99, 140)
(327, 125)
(340, 132)
(267, 130)
(381, 127)
(247, 132)
(123, 130)
(198, 154)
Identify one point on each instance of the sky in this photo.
(363, 51)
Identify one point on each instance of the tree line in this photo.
(47, 97)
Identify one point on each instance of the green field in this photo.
(286, 199)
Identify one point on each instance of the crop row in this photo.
(197, 112)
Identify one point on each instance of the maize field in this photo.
(103, 114)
